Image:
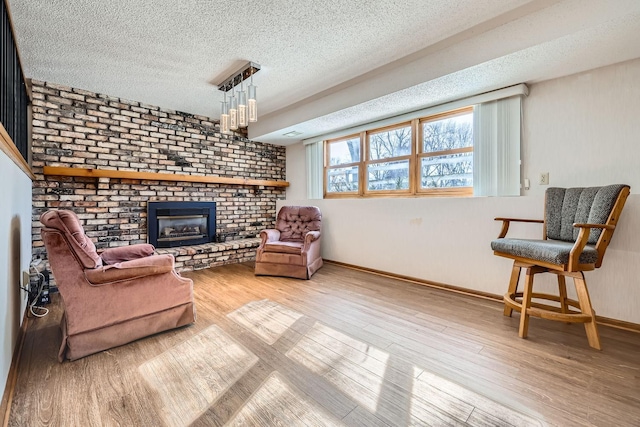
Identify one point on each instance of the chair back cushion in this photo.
(294, 222)
(566, 206)
(68, 223)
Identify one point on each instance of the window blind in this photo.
(314, 166)
(496, 147)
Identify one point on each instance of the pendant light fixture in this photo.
(224, 115)
(240, 109)
(242, 106)
(252, 104)
(233, 111)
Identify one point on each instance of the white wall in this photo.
(15, 255)
(567, 133)
(296, 172)
(584, 129)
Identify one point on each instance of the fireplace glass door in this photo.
(172, 224)
(182, 227)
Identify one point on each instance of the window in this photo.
(471, 149)
(343, 165)
(428, 156)
(446, 152)
(388, 161)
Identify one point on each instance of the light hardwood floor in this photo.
(345, 348)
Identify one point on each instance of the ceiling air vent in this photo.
(292, 134)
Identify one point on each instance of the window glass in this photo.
(390, 143)
(448, 133)
(340, 180)
(388, 175)
(344, 152)
(452, 170)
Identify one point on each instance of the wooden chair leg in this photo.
(562, 288)
(526, 303)
(513, 286)
(586, 308)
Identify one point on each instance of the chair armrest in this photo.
(540, 221)
(129, 270)
(581, 242)
(310, 237)
(126, 253)
(507, 221)
(269, 235)
(578, 247)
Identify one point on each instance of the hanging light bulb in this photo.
(253, 107)
(233, 111)
(242, 106)
(224, 115)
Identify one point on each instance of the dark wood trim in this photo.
(157, 176)
(601, 320)
(12, 378)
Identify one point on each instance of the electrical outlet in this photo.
(544, 178)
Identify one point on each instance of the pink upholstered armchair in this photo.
(111, 299)
(292, 249)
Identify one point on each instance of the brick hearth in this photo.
(211, 254)
(77, 128)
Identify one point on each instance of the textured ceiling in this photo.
(326, 64)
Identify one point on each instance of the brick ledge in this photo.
(198, 257)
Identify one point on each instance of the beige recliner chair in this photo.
(292, 249)
(111, 299)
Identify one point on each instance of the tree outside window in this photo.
(342, 174)
(446, 158)
(428, 156)
(393, 147)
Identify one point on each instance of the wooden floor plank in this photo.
(364, 350)
(279, 403)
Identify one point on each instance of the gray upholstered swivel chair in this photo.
(577, 228)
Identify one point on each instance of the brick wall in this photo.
(77, 128)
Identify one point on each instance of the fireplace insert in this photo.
(171, 224)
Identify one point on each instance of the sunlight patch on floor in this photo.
(266, 319)
(353, 371)
(277, 403)
(484, 411)
(387, 386)
(190, 376)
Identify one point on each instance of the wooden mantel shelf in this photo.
(156, 176)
